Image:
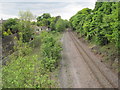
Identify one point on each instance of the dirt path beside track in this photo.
(80, 68)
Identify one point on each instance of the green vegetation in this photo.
(44, 20)
(99, 26)
(50, 50)
(34, 60)
(55, 23)
(23, 25)
(11, 24)
(29, 69)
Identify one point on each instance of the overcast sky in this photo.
(64, 8)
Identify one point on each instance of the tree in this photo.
(25, 24)
(39, 18)
(11, 24)
(44, 20)
(46, 15)
(60, 25)
(26, 15)
(98, 25)
(85, 11)
(52, 23)
(97, 5)
(55, 23)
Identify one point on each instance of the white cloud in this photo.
(64, 9)
(5, 16)
(48, 0)
(71, 9)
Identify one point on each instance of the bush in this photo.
(5, 33)
(50, 50)
(27, 70)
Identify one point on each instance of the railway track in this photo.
(101, 78)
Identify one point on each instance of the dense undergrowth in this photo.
(31, 66)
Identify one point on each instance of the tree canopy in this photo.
(55, 23)
(99, 25)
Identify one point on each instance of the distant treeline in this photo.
(25, 25)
